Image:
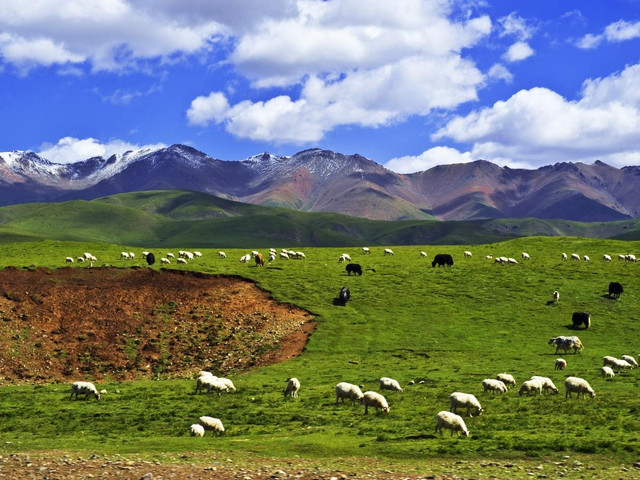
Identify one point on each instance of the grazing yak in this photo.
(442, 259)
(259, 260)
(581, 318)
(615, 290)
(344, 295)
(354, 268)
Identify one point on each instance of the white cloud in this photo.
(619, 31)
(515, 25)
(537, 126)
(209, 109)
(500, 72)
(431, 158)
(517, 52)
(70, 150)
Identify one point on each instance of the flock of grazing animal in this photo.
(536, 385)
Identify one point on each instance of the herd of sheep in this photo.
(536, 385)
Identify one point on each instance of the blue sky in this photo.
(409, 84)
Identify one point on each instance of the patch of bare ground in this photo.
(70, 323)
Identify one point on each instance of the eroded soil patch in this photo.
(132, 323)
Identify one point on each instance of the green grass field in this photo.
(444, 328)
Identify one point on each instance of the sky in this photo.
(409, 84)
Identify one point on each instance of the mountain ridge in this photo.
(317, 180)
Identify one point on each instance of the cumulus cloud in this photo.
(500, 72)
(619, 31)
(71, 150)
(431, 158)
(538, 126)
(514, 24)
(517, 52)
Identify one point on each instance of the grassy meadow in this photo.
(444, 328)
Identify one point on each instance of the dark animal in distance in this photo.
(345, 295)
(353, 268)
(615, 290)
(442, 259)
(581, 318)
(151, 258)
(259, 260)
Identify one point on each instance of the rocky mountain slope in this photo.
(320, 180)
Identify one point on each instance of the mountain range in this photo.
(318, 180)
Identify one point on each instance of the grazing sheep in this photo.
(615, 290)
(344, 295)
(69, 259)
(387, 383)
(374, 399)
(344, 258)
(525, 256)
(467, 254)
(579, 386)
(284, 255)
(465, 400)
(227, 383)
(350, 391)
(581, 318)
(489, 384)
(512, 261)
(560, 364)
(489, 257)
(531, 387)
(507, 379)
(84, 388)
(606, 258)
(586, 258)
(607, 372)
(181, 260)
(366, 250)
(566, 344)
(620, 364)
(423, 254)
(451, 421)
(293, 385)
(609, 360)
(564, 256)
(556, 296)
(622, 257)
(197, 254)
(546, 382)
(245, 258)
(222, 255)
(388, 251)
(630, 360)
(165, 260)
(125, 255)
(213, 424)
(210, 383)
(630, 258)
(196, 430)
(80, 259)
(575, 256)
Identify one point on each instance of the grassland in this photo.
(444, 328)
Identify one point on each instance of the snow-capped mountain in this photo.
(321, 180)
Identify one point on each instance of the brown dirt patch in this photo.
(132, 323)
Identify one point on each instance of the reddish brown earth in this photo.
(92, 323)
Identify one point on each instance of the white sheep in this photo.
(525, 256)
(213, 424)
(181, 260)
(165, 260)
(293, 385)
(245, 258)
(579, 386)
(344, 258)
(546, 382)
(607, 372)
(489, 257)
(350, 391)
(560, 364)
(170, 255)
(388, 251)
(132, 255)
(490, 384)
(210, 383)
(512, 261)
(630, 360)
(84, 388)
(222, 255)
(531, 387)
(387, 383)
(507, 379)
(80, 259)
(586, 258)
(465, 400)
(125, 255)
(468, 254)
(227, 383)
(620, 364)
(609, 360)
(564, 256)
(197, 253)
(622, 257)
(284, 255)
(606, 258)
(374, 399)
(451, 421)
(630, 258)
(556, 296)
(366, 250)
(423, 254)
(196, 430)
(69, 259)
(575, 256)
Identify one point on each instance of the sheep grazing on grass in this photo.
(564, 256)
(467, 254)
(531, 387)
(222, 255)
(607, 372)
(465, 400)
(227, 383)
(388, 251)
(375, 400)
(213, 424)
(560, 364)
(293, 385)
(84, 388)
(423, 254)
(566, 344)
(606, 258)
(507, 379)
(366, 250)
(196, 430)
(69, 259)
(210, 383)
(547, 384)
(579, 386)
(492, 385)
(450, 421)
(525, 256)
(556, 296)
(387, 383)
(165, 260)
(350, 391)
(630, 360)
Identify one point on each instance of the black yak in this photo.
(353, 268)
(345, 295)
(615, 289)
(442, 259)
(580, 318)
